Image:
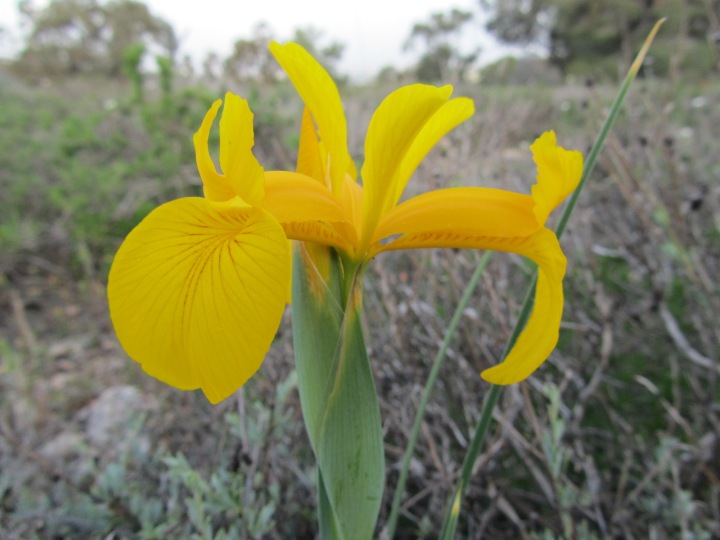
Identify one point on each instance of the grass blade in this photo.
(453, 512)
(427, 390)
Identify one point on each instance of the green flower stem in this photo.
(453, 512)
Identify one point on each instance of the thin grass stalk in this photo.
(427, 390)
(453, 512)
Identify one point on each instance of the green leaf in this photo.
(316, 325)
(338, 397)
(350, 453)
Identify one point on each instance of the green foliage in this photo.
(166, 73)
(600, 38)
(69, 37)
(442, 59)
(78, 179)
(251, 61)
(339, 400)
(132, 58)
(141, 495)
(528, 70)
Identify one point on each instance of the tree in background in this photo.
(442, 59)
(329, 55)
(589, 36)
(68, 37)
(251, 59)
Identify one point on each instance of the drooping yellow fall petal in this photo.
(310, 160)
(463, 214)
(541, 333)
(434, 226)
(308, 211)
(239, 166)
(197, 291)
(321, 96)
(404, 128)
(559, 173)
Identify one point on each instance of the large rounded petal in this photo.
(559, 173)
(196, 293)
(405, 127)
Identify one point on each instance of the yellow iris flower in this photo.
(198, 288)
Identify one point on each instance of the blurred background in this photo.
(616, 436)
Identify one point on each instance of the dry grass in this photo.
(615, 437)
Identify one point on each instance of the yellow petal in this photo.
(351, 202)
(456, 217)
(406, 125)
(240, 168)
(321, 96)
(308, 211)
(309, 161)
(541, 333)
(559, 173)
(197, 291)
(215, 186)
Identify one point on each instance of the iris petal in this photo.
(559, 173)
(406, 125)
(437, 224)
(197, 291)
(541, 333)
(310, 161)
(321, 96)
(468, 212)
(215, 186)
(308, 211)
(240, 168)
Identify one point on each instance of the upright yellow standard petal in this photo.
(559, 173)
(239, 166)
(321, 96)
(215, 186)
(310, 159)
(196, 293)
(406, 125)
(242, 175)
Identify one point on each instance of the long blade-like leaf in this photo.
(453, 513)
(338, 397)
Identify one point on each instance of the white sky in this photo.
(372, 30)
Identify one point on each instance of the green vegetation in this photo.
(616, 436)
(588, 37)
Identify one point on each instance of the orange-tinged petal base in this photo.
(197, 291)
(308, 211)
